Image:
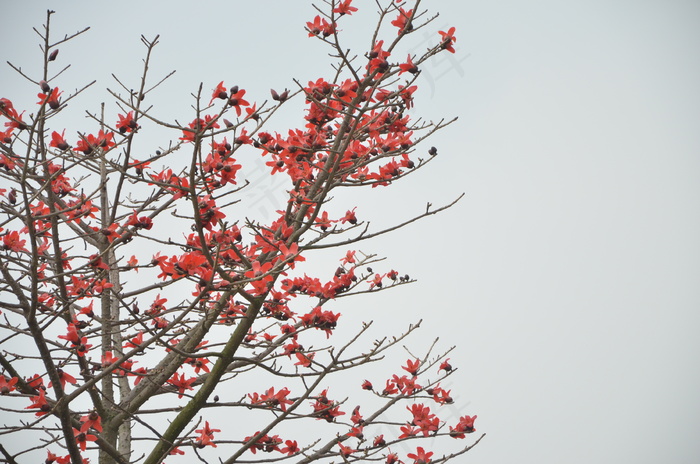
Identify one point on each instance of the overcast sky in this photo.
(569, 274)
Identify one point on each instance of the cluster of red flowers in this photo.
(355, 131)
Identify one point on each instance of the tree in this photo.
(112, 350)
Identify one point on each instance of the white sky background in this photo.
(569, 275)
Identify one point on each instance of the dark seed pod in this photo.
(45, 87)
(432, 151)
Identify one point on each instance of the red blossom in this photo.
(64, 377)
(135, 342)
(320, 26)
(52, 98)
(206, 436)
(6, 386)
(272, 399)
(12, 242)
(290, 448)
(219, 92)
(59, 141)
(82, 438)
(445, 365)
(345, 451)
(236, 100)
(181, 383)
(420, 456)
(412, 366)
(402, 21)
(39, 402)
(465, 425)
(408, 66)
(91, 420)
(448, 39)
(344, 7)
(304, 360)
(87, 144)
(378, 58)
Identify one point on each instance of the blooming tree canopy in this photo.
(146, 319)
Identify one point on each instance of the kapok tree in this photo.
(145, 317)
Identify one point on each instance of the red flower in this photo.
(349, 257)
(236, 100)
(134, 342)
(58, 140)
(402, 21)
(91, 420)
(199, 125)
(448, 39)
(181, 383)
(324, 320)
(291, 254)
(424, 419)
(408, 66)
(206, 436)
(465, 425)
(304, 360)
(345, 8)
(63, 378)
(420, 456)
(325, 408)
(411, 366)
(378, 58)
(199, 364)
(219, 92)
(349, 217)
(139, 166)
(367, 385)
(52, 458)
(82, 348)
(51, 98)
(86, 145)
(441, 395)
(445, 365)
(320, 26)
(110, 232)
(345, 450)
(39, 402)
(291, 447)
(82, 438)
(272, 399)
(406, 95)
(12, 242)
(143, 222)
(6, 386)
(127, 123)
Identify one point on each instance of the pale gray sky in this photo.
(569, 275)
